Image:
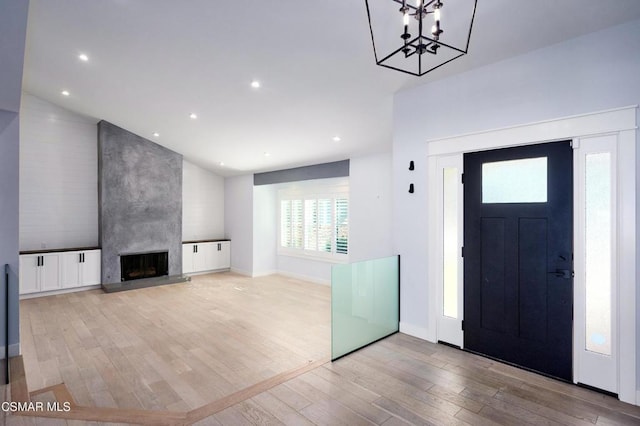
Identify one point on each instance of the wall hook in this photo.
(411, 166)
(410, 188)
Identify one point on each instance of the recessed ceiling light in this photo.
(266, 154)
(83, 57)
(336, 139)
(255, 84)
(65, 93)
(193, 116)
(156, 134)
(221, 163)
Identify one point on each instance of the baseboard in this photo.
(415, 331)
(241, 272)
(210, 271)
(61, 291)
(14, 350)
(638, 397)
(303, 277)
(264, 273)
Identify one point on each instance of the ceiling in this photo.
(154, 62)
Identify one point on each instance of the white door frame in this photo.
(620, 122)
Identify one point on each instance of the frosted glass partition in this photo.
(365, 303)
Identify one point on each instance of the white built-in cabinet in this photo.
(39, 272)
(80, 268)
(202, 256)
(59, 270)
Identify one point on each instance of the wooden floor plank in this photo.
(227, 349)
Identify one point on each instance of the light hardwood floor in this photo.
(228, 350)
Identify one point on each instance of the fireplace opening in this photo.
(144, 265)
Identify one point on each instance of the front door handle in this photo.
(562, 273)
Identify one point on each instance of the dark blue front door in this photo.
(518, 257)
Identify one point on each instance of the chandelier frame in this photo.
(421, 43)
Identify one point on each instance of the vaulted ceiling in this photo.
(152, 63)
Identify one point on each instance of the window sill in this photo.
(326, 259)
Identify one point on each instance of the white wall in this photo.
(370, 234)
(590, 73)
(371, 202)
(265, 230)
(13, 28)
(58, 177)
(202, 203)
(9, 153)
(238, 224)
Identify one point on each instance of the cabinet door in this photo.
(222, 255)
(90, 266)
(50, 272)
(187, 258)
(29, 272)
(209, 260)
(70, 269)
(202, 257)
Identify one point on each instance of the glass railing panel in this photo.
(365, 303)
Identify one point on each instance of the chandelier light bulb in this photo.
(418, 3)
(405, 19)
(436, 14)
(434, 30)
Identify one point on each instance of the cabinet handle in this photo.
(79, 257)
(37, 260)
(82, 257)
(42, 261)
(219, 246)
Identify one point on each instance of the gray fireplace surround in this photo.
(140, 199)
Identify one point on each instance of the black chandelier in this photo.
(431, 34)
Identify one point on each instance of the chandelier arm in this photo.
(444, 63)
(400, 69)
(375, 53)
(391, 54)
(457, 49)
(473, 17)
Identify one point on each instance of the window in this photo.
(515, 181)
(315, 224)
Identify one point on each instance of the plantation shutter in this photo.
(297, 219)
(342, 225)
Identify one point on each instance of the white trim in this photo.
(627, 309)
(209, 271)
(595, 123)
(334, 259)
(621, 121)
